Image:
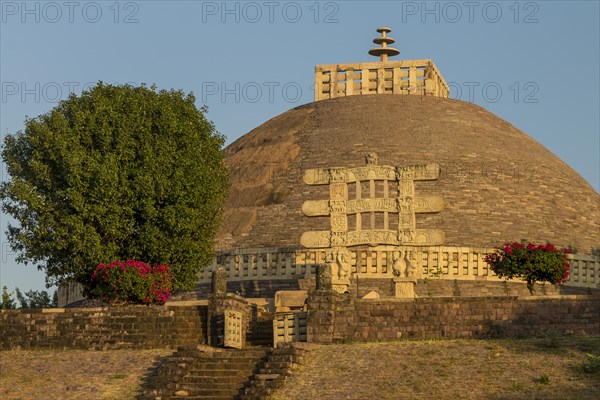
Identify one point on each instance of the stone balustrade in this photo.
(442, 262)
(439, 262)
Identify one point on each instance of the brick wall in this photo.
(250, 288)
(103, 328)
(337, 317)
(433, 287)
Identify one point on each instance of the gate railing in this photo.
(289, 327)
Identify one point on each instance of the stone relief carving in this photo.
(405, 264)
(340, 260)
(413, 268)
(337, 206)
(339, 223)
(338, 174)
(367, 205)
(375, 172)
(316, 176)
(407, 236)
(419, 172)
(338, 238)
(316, 239)
(338, 191)
(399, 263)
(428, 204)
(371, 159)
(313, 208)
(414, 237)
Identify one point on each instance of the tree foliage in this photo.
(119, 172)
(35, 299)
(7, 301)
(31, 299)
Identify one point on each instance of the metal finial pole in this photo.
(384, 51)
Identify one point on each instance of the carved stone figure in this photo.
(371, 159)
(412, 265)
(399, 264)
(343, 264)
(405, 264)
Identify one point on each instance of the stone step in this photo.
(285, 357)
(197, 385)
(267, 327)
(201, 398)
(227, 354)
(230, 364)
(211, 380)
(270, 371)
(220, 373)
(260, 342)
(278, 364)
(218, 361)
(230, 392)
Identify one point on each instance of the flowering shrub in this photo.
(532, 263)
(130, 282)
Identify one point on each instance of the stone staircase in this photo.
(204, 375)
(260, 332)
(273, 372)
(217, 374)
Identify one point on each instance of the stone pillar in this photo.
(218, 306)
(324, 278)
(219, 303)
(219, 282)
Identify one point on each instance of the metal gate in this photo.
(289, 327)
(233, 330)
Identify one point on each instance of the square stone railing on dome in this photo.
(442, 262)
(420, 77)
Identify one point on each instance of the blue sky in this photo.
(535, 64)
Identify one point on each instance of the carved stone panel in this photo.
(233, 329)
(428, 204)
(315, 208)
(420, 172)
(316, 239)
(414, 237)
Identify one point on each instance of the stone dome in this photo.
(497, 183)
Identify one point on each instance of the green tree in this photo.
(117, 173)
(7, 301)
(34, 299)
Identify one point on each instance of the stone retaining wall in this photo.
(432, 287)
(103, 328)
(334, 317)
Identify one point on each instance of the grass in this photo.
(550, 367)
(542, 368)
(74, 374)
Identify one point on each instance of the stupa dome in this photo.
(385, 179)
(497, 183)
